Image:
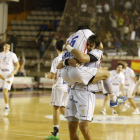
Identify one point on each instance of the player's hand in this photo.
(133, 94)
(74, 63)
(11, 75)
(64, 46)
(47, 74)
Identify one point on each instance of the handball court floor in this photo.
(30, 118)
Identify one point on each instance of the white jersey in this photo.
(7, 61)
(59, 80)
(117, 80)
(129, 75)
(78, 41)
(92, 87)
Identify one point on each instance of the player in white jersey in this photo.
(130, 81)
(8, 67)
(59, 92)
(81, 102)
(117, 79)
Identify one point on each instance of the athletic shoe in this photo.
(6, 112)
(52, 137)
(121, 100)
(114, 112)
(136, 112)
(103, 112)
(125, 107)
(113, 104)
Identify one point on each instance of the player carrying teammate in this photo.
(59, 92)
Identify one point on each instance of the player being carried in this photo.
(80, 42)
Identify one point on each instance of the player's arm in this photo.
(50, 75)
(80, 56)
(122, 88)
(16, 64)
(136, 86)
(135, 79)
(68, 62)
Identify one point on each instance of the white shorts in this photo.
(80, 105)
(128, 90)
(59, 96)
(4, 84)
(81, 74)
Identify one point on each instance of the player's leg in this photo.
(85, 129)
(136, 111)
(73, 124)
(62, 110)
(103, 111)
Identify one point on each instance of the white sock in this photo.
(7, 105)
(112, 97)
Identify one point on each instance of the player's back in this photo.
(78, 41)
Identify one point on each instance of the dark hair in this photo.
(81, 27)
(94, 39)
(120, 64)
(59, 45)
(125, 61)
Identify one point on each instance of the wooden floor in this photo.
(30, 118)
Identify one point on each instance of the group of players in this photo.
(78, 76)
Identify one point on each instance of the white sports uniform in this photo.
(81, 102)
(117, 80)
(59, 90)
(129, 82)
(80, 74)
(7, 61)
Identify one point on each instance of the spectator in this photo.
(121, 7)
(13, 39)
(40, 37)
(83, 7)
(51, 26)
(113, 23)
(112, 4)
(120, 21)
(43, 26)
(99, 9)
(99, 24)
(132, 36)
(42, 48)
(128, 5)
(137, 5)
(127, 20)
(117, 44)
(106, 9)
(55, 23)
(137, 30)
(21, 71)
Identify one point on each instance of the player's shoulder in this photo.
(121, 74)
(11, 53)
(113, 71)
(59, 57)
(129, 69)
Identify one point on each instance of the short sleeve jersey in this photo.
(59, 80)
(129, 75)
(97, 86)
(7, 61)
(117, 80)
(78, 41)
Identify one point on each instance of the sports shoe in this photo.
(121, 100)
(103, 112)
(125, 107)
(113, 104)
(114, 112)
(136, 112)
(6, 112)
(52, 137)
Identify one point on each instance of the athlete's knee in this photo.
(84, 127)
(73, 127)
(56, 107)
